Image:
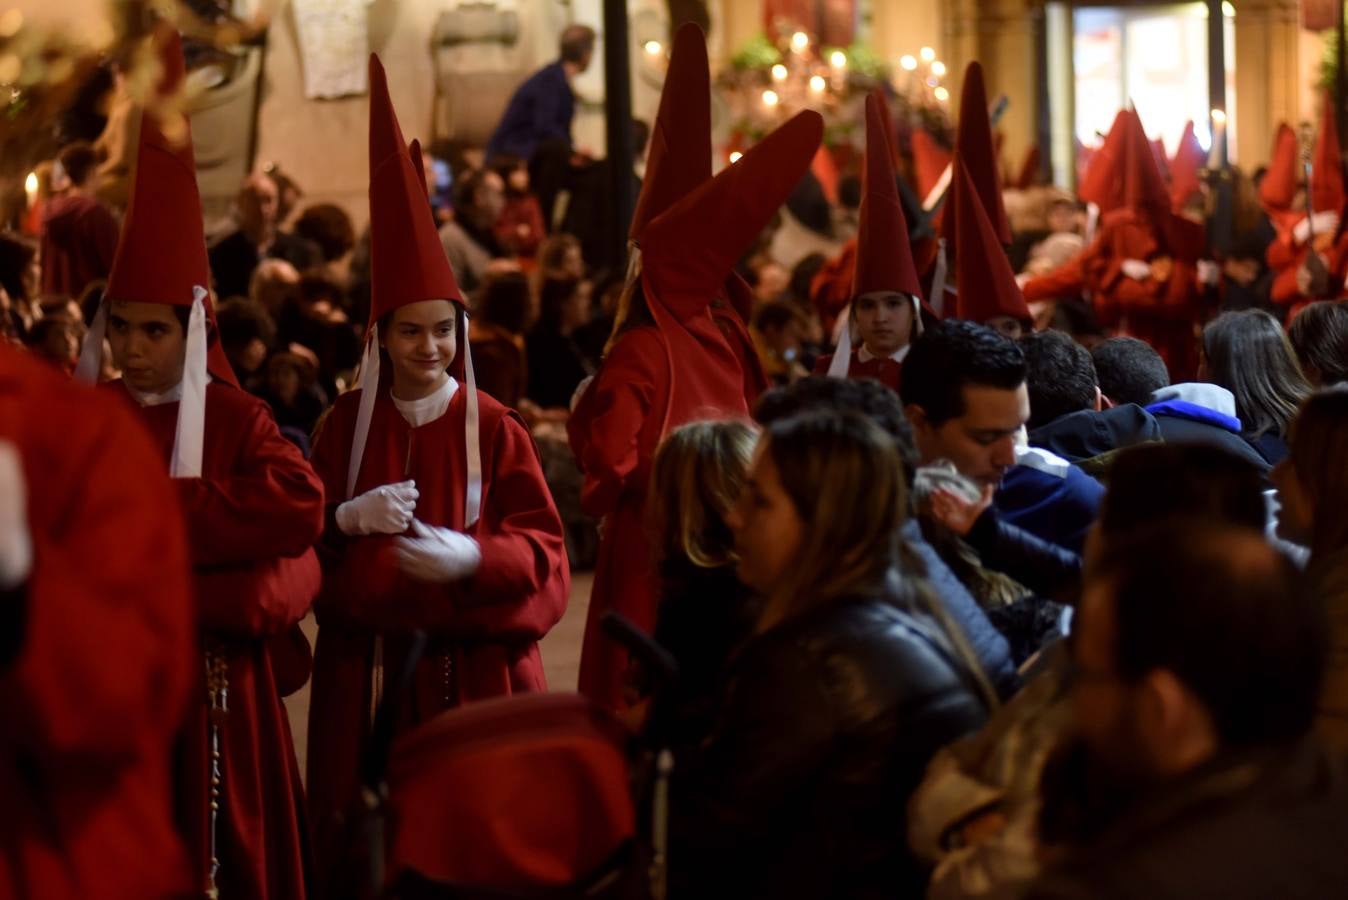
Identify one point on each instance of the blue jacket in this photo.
(540, 110)
(1050, 498)
(991, 648)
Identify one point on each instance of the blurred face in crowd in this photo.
(489, 198)
(258, 204)
(773, 280)
(982, 441)
(148, 345)
(576, 312)
(767, 527)
(884, 320)
(1007, 326)
(1296, 515)
(519, 179)
(421, 346)
(1062, 217)
(62, 343)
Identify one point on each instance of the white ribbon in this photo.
(472, 445)
(367, 381)
(91, 354)
(190, 438)
(938, 279)
(842, 356)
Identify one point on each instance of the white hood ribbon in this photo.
(189, 436)
(367, 381)
(938, 280)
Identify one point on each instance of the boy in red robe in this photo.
(253, 507)
(95, 646)
(669, 364)
(439, 520)
(886, 309)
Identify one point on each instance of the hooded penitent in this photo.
(987, 286)
(161, 257)
(407, 265)
(884, 259)
(1186, 168)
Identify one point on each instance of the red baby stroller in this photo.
(530, 796)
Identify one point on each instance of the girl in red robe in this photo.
(671, 362)
(439, 519)
(253, 508)
(885, 311)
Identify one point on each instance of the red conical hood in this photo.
(1124, 174)
(929, 162)
(986, 286)
(1278, 190)
(680, 154)
(689, 250)
(1028, 176)
(884, 259)
(1158, 156)
(1099, 184)
(407, 262)
(977, 153)
(1185, 168)
(1327, 163)
(161, 254)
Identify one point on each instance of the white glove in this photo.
(16, 544)
(1209, 273)
(1136, 269)
(385, 510)
(437, 555)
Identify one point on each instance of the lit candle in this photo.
(908, 63)
(735, 156)
(938, 69)
(942, 94)
(653, 48)
(770, 98)
(927, 54)
(817, 84)
(838, 59)
(779, 72)
(800, 42)
(30, 188)
(1216, 158)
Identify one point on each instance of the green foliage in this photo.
(756, 53)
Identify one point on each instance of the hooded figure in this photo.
(987, 292)
(1186, 169)
(253, 508)
(886, 307)
(1309, 257)
(669, 363)
(97, 658)
(439, 519)
(1142, 267)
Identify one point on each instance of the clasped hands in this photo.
(430, 553)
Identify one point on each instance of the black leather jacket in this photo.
(827, 725)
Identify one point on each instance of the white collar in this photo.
(172, 395)
(428, 408)
(897, 356)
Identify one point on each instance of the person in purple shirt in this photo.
(541, 109)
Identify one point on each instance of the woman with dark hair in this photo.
(1247, 353)
(1313, 488)
(846, 690)
(497, 335)
(1319, 335)
(556, 363)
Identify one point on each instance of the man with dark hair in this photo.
(878, 403)
(1130, 371)
(1319, 334)
(964, 391)
(246, 335)
(543, 106)
(79, 233)
(236, 256)
(1198, 656)
(1066, 408)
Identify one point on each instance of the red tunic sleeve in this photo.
(612, 415)
(106, 654)
(1067, 280)
(269, 505)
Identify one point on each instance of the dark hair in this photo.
(1129, 370)
(505, 301)
(16, 255)
(641, 136)
(802, 277)
(953, 354)
(1158, 481)
(465, 189)
(240, 320)
(315, 286)
(505, 163)
(329, 227)
(553, 295)
(863, 396)
(1059, 374)
(577, 43)
(1248, 354)
(80, 160)
(849, 192)
(1319, 335)
(776, 314)
(554, 249)
(1229, 616)
(1319, 457)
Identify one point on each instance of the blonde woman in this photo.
(705, 611)
(845, 691)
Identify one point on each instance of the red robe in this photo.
(886, 371)
(483, 632)
(252, 519)
(101, 681)
(1162, 313)
(614, 432)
